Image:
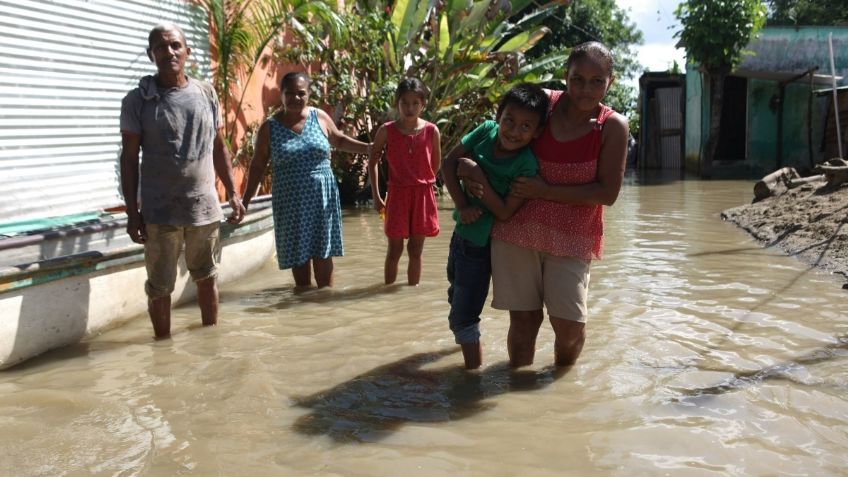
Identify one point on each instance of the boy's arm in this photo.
(449, 164)
(467, 214)
(502, 209)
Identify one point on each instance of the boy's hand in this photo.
(468, 169)
(470, 214)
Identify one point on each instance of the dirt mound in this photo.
(809, 222)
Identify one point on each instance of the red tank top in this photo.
(564, 230)
(409, 156)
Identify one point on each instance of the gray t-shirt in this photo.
(177, 128)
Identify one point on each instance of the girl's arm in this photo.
(604, 190)
(502, 209)
(436, 157)
(261, 153)
(338, 139)
(373, 167)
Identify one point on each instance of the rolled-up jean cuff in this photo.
(153, 292)
(469, 334)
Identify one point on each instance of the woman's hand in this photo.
(529, 187)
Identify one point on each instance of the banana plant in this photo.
(242, 31)
(469, 53)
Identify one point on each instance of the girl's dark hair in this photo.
(414, 85)
(594, 51)
(294, 76)
(526, 96)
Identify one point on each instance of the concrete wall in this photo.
(778, 50)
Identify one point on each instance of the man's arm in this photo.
(130, 149)
(224, 169)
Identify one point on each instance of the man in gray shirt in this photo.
(174, 122)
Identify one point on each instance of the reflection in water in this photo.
(706, 355)
(379, 401)
(795, 371)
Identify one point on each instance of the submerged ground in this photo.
(809, 222)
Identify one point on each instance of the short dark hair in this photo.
(526, 96)
(414, 85)
(593, 50)
(293, 76)
(161, 28)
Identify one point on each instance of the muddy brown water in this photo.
(706, 356)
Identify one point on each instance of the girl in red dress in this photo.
(413, 152)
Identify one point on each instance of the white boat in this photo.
(63, 284)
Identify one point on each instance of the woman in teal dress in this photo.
(305, 197)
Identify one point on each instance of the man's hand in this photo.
(469, 214)
(136, 228)
(238, 210)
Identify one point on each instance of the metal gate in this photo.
(65, 65)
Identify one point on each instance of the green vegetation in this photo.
(467, 52)
(806, 12)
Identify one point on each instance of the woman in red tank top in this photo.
(541, 256)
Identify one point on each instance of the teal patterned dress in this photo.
(307, 213)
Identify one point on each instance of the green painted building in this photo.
(775, 113)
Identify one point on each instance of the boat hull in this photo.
(59, 302)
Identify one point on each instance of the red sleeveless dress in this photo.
(410, 203)
(563, 230)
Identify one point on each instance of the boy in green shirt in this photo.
(501, 150)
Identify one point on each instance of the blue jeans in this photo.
(469, 274)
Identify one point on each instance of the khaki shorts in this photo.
(525, 280)
(162, 251)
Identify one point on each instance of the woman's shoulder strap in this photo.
(603, 115)
(553, 97)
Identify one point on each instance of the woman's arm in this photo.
(604, 190)
(373, 167)
(475, 177)
(261, 153)
(338, 139)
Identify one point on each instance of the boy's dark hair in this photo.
(414, 85)
(293, 76)
(593, 50)
(526, 96)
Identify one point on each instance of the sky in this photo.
(655, 19)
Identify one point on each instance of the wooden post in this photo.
(775, 183)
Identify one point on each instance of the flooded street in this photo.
(706, 355)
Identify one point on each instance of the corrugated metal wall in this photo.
(65, 65)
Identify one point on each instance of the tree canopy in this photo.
(807, 13)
